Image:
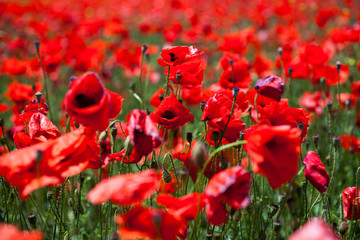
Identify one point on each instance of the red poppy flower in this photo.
(271, 87)
(14, 66)
(191, 72)
(150, 223)
(192, 95)
(3, 107)
(218, 108)
(274, 152)
(177, 55)
(280, 113)
(314, 229)
(30, 110)
(260, 99)
(62, 157)
(351, 203)
(21, 93)
(330, 74)
(236, 75)
(314, 102)
(10, 232)
(230, 186)
(315, 172)
(301, 70)
(155, 99)
(188, 206)
(126, 189)
(350, 143)
(134, 156)
(314, 55)
(171, 113)
(261, 64)
(144, 135)
(355, 89)
(90, 104)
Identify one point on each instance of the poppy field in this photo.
(178, 119)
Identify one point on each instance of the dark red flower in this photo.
(315, 172)
(90, 104)
(150, 223)
(355, 89)
(178, 55)
(351, 203)
(314, 229)
(230, 186)
(10, 232)
(144, 135)
(126, 189)
(171, 113)
(271, 87)
(274, 152)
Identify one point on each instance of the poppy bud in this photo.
(215, 136)
(144, 49)
(2, 122)
(323, 81)
(72, 78)
(32, 220)
(338, 65)
(223, 163)
(316, 139)
(343, 228)
(128, 146)
(189, 137)
(103, 135)
(49, 195)
(113, 132)
(148, 111)
(235, 92)
(178, 77)
(199, 155)
(242, 135)
(154, 165)
(38, 96)
(329, 105)
(33, 87)
(39, 156)
(300, 125)
(290, 71)
(166, 176)
(161, 97)
(280, 51)
(202, 105)
(231, 62)
(336, 141)
(37, 45)
(277, 225)
(76, 193)
(348, 103)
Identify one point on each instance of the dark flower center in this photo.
(173, 58)
(168, 115)
(84, 101)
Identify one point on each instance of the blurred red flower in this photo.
(274, 152)
(20, 93)
(10, 232)
(191, 72)
(271, 87)
(171, 113)
(350, 143)
(314, 229)
(230, 186)
(351, 203)
(126, 189)
(90, 104)
(177, 55)
(316, 172)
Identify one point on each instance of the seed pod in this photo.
(166, 176)
(343, 227)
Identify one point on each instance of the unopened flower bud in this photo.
(32, 220)
(189, 137)
(154, 165)
(199, 155)
(103, 135)
(290, 71)
(223, 163)
(280, 51)
(39, 156)
(277, 225)
(113, 132)
(231, 62)
(343, 227)
(166, 176)
(38, 96)
(144, 49)
(235, 92)
(202, 105)
(161, 97)
(338, 66)
(273, 210)
(178, 77)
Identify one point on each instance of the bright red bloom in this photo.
(30, 110)
(271, 87)
(3, 107)
(188, 206)
(150, 223)
(261, 64)
(21, 93)
(315, 172)
(126, 189)
(171, 113)
(330, 74)
(62, 157)
(177, 55)
(236, 75)
(314, 229)
(14, 66)
(218, 108)
(10, 232)
(280, 113)
(155, 99)
(355, 89)
(314, 55)
(301, 70)
(191, 72)
(90, 104)
(350, 143)
(274, 152)
(134, 156)
(350, 205)
(230, 186)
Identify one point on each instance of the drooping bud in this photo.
(166, 176)
(154, 165)
(223, 163)
(103, 135)
(199, 155)
(113, 132)
(235, 92)
(144, 48)
(343, 227)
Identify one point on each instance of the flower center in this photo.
(168, 115)
(84, 101)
